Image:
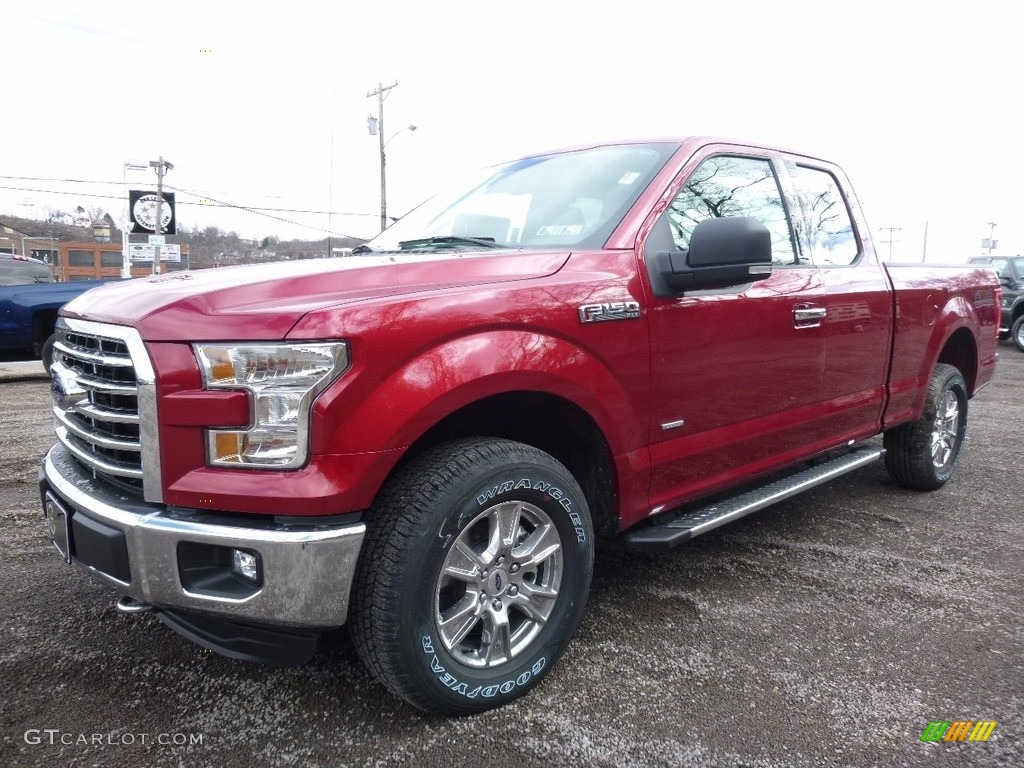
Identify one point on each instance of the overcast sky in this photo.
(265, 106)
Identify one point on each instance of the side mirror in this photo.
(723, 253)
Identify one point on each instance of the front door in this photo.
(737, 373)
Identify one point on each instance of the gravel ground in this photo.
(828, 630)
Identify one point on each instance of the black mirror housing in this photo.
(723, 253)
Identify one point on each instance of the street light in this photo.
(383, 178)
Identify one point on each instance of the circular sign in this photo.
(144, 212)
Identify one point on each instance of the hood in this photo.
(263, 302)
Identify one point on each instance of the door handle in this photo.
(808, 316)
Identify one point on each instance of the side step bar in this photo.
(686, 526)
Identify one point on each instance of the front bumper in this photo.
(148, 552)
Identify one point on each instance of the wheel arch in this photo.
(961, 351)
(549, 423)
(44, 322)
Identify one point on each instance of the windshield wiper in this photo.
(487, 242)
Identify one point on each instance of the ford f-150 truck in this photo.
(424, 441)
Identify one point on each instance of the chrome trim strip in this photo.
(84, 354)
(92, 460)
(672, 425)
(307, 574)
(102, 414)
(102, 386)
(149, 436)
(93, 437)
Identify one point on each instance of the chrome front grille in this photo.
(105, 404)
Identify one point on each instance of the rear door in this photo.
(737, 373)
(858, 301)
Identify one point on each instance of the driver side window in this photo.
(724, 186)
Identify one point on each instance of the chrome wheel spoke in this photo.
(463, 563)
(497, 641)
(945, 429)
(536, 602)
(459, 620)
(505, 526)
(539, 546)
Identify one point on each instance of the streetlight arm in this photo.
(407, 128)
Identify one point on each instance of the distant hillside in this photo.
(208, 246)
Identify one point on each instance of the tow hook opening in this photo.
(131, 605)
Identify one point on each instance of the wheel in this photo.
(1017, 333)
(923, 455)
(473, 575)
(46, 353)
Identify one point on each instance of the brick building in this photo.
(90, 260)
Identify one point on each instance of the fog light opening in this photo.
(246, 565)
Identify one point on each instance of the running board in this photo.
(682, 528)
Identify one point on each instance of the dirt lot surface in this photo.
(828, 630)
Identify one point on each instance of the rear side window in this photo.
(19, 270)
(826, 226)
(733, 186)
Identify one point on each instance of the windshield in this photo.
(573, 199)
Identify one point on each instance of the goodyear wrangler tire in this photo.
(473, 575)
(923, 455)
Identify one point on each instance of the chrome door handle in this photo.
(809, 317)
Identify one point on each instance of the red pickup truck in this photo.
(425, 440)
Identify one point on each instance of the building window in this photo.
(81, 258)
(111, 259)
(50, 257)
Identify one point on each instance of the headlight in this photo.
(283, 380)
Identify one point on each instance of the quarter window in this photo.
(826, 225)
(733, 186)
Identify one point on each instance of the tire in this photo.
(1017, 333)
(473, 540)
(46, 353)
(923, 455)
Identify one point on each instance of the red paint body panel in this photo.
(431, 334)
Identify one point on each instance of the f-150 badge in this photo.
(614, 310)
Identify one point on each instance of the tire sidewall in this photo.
(453, 685)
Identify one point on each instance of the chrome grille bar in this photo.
(92, 436)
(95, 461)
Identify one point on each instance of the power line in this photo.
(122, 182)
(254, 209)
(259, 212)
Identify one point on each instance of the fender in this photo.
(438, 382)
(909, 385)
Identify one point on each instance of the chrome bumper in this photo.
(307, 571)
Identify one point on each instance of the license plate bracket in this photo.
(58, 525)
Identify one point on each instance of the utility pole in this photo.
(379, 93)
(160, 166)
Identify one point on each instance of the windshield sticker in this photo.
(629, 177)
(561, 229)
